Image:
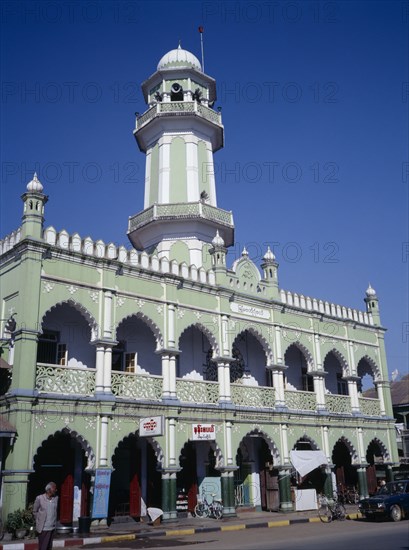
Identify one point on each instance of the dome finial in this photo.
(180, 44)
(34, 185)
(370, 292)
(218, 241)
(244, 252)
(269, 256)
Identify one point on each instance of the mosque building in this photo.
(169, 369)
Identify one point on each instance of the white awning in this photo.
(306, 461)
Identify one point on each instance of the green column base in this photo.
(328, 488)
(362, 482)
(284, 487)
(227, 486)
(169, 496)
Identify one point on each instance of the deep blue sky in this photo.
(315, 107)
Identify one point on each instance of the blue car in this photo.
(391, 501)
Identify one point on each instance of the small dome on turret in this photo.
(370, 292)
(178, 58)
(34, 185)
(218, 241)
(269, 256)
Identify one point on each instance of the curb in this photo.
(65, 543)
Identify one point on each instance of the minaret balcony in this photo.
(159, 214)
(179, 109)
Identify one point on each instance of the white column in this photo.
(361, 448)
(103, 451)
(279, 352)
(353, 393)
(107, 369)
(107, 332)
(171, 326)
(278, 384)
(379, 389)
(210, 175)
(319, 390)
(172, 376)
(227, 390)
(325, 442)
(285, 457)
(192, 176)
(99, 363)
(220, 378)
(172, 442)
(165, 376)
(229, 457)
(225, 336)
(318, 361)
(148, 163)
(164, 171)
(351, 359)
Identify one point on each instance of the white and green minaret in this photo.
(179, 133)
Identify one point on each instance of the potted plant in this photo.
(19, 521)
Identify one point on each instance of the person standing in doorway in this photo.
(45, 513)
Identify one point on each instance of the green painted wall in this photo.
(178, 176)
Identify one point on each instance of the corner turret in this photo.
(33, 214)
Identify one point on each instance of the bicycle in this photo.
(204, 509)
(328, 511)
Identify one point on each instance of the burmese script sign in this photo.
(153, 425)
(250, 311)
(101, 493)
(204, 432)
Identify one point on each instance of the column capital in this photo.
(277, 367)
(165, 470)
(106, 342)
(318, 373)
(351, 378)
(168, 351)
(225, 360)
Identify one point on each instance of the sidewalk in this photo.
(184, 526)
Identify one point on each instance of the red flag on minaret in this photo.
(201, 30)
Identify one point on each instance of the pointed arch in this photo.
(262, 340)
(382, 447)
(377, 375)
(275, 453)
(218, 453)
(305, 351)
(308, 439)
(85, 446)
(342, 360)
(351, 448)
(207, 332)
(157, 449)
(148, 321)
(92, 323)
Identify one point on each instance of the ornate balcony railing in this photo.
(181, 211)
(338, 404)
(300, 400)
(178, 108)
(197, 391)
(68, 380)
(136, 386)
(369, 406)
(253, 396)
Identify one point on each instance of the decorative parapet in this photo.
(136, 386)
(338, 404)
(178, 108)
(65, 380)
(10, 241)
(369, 406)
(193, 391)
(162, 212)
(300, 400)
(130, 258)
(326, 308)
(253, 396)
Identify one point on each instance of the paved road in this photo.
(348, 535)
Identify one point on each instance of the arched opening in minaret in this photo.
(176, 92)
(334, 382)
(296, 376)
(249, 365)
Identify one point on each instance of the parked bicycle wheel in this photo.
(218, 510)
(201, 510)
(325, 513)
(340, 511)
